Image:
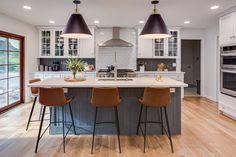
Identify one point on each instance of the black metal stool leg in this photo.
(31, 112)
(40, 113)
(40, 129)
(117, 127)
(72, 119)
(145, 129)
(50, 119)
(139, 119)
(63, 128)
(168, 128)
(162, 123)
(94, 128)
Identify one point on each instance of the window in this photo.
(11, 70)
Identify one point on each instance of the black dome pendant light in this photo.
(155, 28)
(76, 27)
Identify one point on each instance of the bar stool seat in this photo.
(106, 98)
(155, 98)
(54, 97)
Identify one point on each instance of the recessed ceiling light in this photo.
(187, 22)
(96, 22)
(214, 7)
(27, 7)
(141, 22)
(51, 22)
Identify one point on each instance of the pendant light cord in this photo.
(155, 2)
(76, 2)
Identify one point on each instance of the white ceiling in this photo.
(117, 12)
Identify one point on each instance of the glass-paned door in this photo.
(73, 47)
(173, 43)
(158, 47)
(10, 71)
(46, 43)
(59, 44)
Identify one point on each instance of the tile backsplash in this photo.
(151, 64)
(50, 61)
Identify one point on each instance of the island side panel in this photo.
(128, 113)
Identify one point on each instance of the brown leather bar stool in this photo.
(34, 93)
(159, 98)
(106, 98)
(54, 97)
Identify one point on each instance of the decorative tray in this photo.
(68, 79)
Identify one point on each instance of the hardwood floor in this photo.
(204, 134)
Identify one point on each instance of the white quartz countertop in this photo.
(159, 72)
(60, 72)
(95, 82)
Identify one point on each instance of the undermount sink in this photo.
(112, 79)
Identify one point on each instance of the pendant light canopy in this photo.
(155, 28)
(76, 27)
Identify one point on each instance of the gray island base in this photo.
(128, 111)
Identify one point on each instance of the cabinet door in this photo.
(87, 49)
(73, 47)
(173, 43)
(159, 47)
(145, 47)
(45, 43)
(226, 29)
(59, 44)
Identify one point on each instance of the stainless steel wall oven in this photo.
(228, 70)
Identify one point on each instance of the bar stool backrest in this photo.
(52, 97)
(105, 97)
(34, 90)
(156, 97)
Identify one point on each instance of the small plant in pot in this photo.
(75, 65)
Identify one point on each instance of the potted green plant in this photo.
(75, 65)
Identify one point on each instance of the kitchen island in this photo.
(130, 90)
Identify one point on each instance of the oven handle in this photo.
(228, 54)
(228, 71)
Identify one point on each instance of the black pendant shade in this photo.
(76, 27)
(155, 27)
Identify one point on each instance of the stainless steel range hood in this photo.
(115, 41)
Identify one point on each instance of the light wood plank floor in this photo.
(204, 134)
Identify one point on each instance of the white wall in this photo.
(209, 58)
(197, 34)
(11, 25)
(211, 64)
(125, 57)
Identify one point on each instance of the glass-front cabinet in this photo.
(52, 45)
(73, 47)
(173, 44)
(158, 47)
(166, 48)
(59, 44)
(45, 43)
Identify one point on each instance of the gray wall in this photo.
(49, 62)
(190, 60)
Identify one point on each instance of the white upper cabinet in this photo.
(45, 43)
(145, 47)
(87, 49)
(160, 48)
(52, 45)
(228, 29)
